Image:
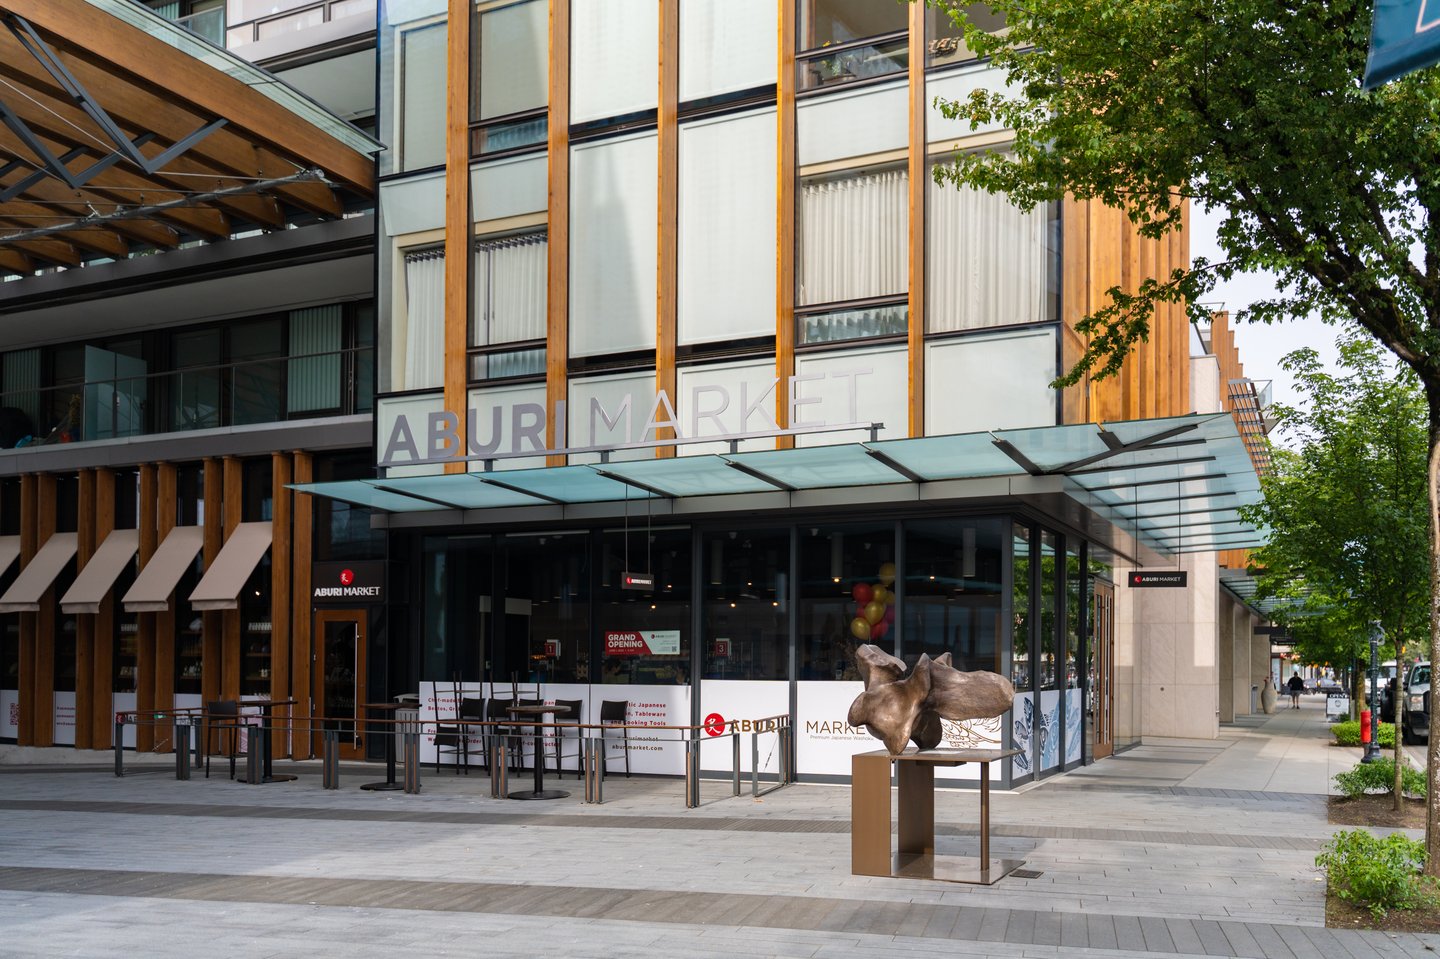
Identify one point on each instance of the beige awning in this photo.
(9, 552)
(99, 574)
(24, 594)
(220, 587)
(152, 589)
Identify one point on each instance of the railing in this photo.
(297, 18)
(207, 24)
(784, 742)
(234, 394)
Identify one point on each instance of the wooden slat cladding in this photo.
(1102, 250)
(85, 625)
(557, 323)
(230, 618)
(102, 729)
(300, 640)
(1227, 356)
(145, 631)
(167, 480)
(283, 500)
(668, 192)
(212, 623)
(785, 213)
(457, 219)
(918, 183)
(29, 534)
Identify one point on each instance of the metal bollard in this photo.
(254, 757)
(330, 761)
(197, 741)
(119, 747)
(735, 757)
(182, 749)
(692, 773)
(412, 762)
(592, 751)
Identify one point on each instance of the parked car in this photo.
(1416, 726)
(1329, 686)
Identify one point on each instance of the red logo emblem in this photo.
(347, 576)
(714, 725)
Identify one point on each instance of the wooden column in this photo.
(44, 717)
(102, 725)
(145, 632)
(785, 217)
(85, 542)
(458, 228)
(280, 589)
(165, 518)
(230, 618)
(211, 622)
(919, 174)
(303, 745)
(557, 321)
(29, 640)
(668, 223)
(1075, 303)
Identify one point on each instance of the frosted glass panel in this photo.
(413, 205)
(613, 57)
(875, 393)
(313, 382)
(958, 86)
(422, 95)
(610, 409)
(612, 246)
(514, 59)
(990, 263)
(851, 124)
(416, 411)
(725, 45)
(994, 381)
(503, 413)
(714, 396)
(727, 228)
(508, 188)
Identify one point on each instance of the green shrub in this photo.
(1379, 777)
(1348, 734)
(1379, 874)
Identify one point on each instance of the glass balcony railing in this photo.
(236, 394)
(209, 24)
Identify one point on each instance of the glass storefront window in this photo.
(946, 41)
(1049, 677)
(746, 613)
(1020, 663)
(456, 598)
(545, 585)
(1074, 613)
(644, 636)
(255, 632)
(847, 577)
(953, 598)
(825, 23)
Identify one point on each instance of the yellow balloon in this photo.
(874, 612)
(887, 573)
(859, 628)
(882, 595)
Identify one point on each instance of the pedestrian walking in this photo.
(1296, 686)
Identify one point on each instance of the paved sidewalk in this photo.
(1173, 848)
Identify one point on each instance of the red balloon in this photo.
(889, 615)
(862, 593)
(878, 630)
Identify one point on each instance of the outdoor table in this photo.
(539, 792)
(915, 858)
(267, 749)
(389, 782)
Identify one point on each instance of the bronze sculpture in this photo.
(897, 711)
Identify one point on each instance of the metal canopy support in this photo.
(40, 50)
(1116, 447)
(1023, 461)
(757, 474)
(652, 490)
(20, 186)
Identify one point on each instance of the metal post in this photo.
(1372, 747)
(412, 762)
(119, 745)
(196, 742)
(330, 760)
(755, 764)
(735, 759)
(691, 799)
(254, 760)
(182, 749)
(499, 752)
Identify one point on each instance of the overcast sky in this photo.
(1261, 346)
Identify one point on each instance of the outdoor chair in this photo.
(450, 738)
(612, 713)
(222, 717)
(572, 714)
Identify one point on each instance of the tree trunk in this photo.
(1399, 740)
(1432, 749)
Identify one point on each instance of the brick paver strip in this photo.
(917, 920)
(603, 821)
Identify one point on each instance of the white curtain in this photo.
(425, 320)
(510, 282)
(854, 236)
(988, 262)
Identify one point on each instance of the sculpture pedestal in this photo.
(914, 856)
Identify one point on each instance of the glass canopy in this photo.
(1177, 484)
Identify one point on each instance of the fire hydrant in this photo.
(1364, 725)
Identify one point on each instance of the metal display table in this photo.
(914, 856)
(390, 733)
(539, 792)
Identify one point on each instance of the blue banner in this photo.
(1405, 37)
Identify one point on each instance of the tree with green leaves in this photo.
(1346, 510)
(1252, 107)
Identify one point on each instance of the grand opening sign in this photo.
(655, 642)
(706, 413)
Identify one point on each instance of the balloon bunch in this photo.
(874, 606)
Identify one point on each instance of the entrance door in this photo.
(340, 681)
(1102, 672)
